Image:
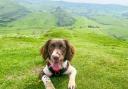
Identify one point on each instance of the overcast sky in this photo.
(121, 2)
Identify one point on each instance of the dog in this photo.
(58, 54)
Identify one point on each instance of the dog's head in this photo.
(56, 51)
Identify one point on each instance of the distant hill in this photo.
(78, 8)
(18, 8)
(10, 11)
(63, 17)
(110, 19)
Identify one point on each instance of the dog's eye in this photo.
(52, 46)
(61, 46)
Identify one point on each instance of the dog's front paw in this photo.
(71, 85)
(47, 82)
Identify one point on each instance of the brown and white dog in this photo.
(58, 54)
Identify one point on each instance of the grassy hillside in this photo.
(36, 23)
(101, 61)
(98, 32)
(34, 20)
(44, 14)
(10, 11)
(114, 26)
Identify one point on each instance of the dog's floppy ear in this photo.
(44, 50)
(69, 51)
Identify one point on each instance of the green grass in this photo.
(115, 26)
(33, 20)
(10, 11)
(101, 44)
(101, 61)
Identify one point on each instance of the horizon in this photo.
(116, 2)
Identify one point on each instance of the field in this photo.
(101, 61)
(99, 34)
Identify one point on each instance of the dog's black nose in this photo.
(56, 58)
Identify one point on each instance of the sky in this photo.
(120, 2)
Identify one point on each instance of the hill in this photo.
(101, 61)
(98, 32)
(10, 11)
(37, 14)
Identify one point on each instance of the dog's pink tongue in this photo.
(56, 67)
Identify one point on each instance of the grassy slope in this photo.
(35, 20)
(101, 61)
(36, 23)
(33, 23)
(10, 11)
(114, 26)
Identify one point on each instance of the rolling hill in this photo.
(98, 32)
(101, 61)
(43, 14)
(10, 11)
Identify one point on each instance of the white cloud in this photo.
(121, 2)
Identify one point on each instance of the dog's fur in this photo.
(58, 52)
